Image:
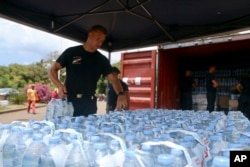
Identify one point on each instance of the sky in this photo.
(25, 45)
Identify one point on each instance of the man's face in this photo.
(213, 69)
(188, 73)
(96, 39)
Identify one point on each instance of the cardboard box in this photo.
(233, 103)
(223, 101)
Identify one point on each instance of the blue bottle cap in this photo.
(165, 159)
(100, 146)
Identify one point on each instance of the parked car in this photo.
(6, 92)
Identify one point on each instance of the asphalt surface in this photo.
(22, 115)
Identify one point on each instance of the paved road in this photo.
(22, 115)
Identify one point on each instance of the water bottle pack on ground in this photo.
(177, 138)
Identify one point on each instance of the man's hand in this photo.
(215, 84)
(62, 92)
(122, 103)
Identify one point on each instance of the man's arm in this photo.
(128, 99)
(113, 79)
(53, 76)
(239, 87)
(121, 99)
(215, 83)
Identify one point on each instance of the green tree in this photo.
(102, 82)
(101, 85)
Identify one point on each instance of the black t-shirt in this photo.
(187, 84)
(112, 96)
(209, 83)
(245, 82)
(83, 69)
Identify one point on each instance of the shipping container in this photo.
(153, 76)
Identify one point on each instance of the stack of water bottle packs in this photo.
(139, 138)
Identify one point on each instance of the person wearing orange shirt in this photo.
(31, 98)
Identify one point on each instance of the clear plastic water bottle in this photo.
(220, 161)
(33, 152)
(36, 128)
(50, 109)
(27, 135)
(13, 148)
(147, 155)
(148, 135)
(69, 110)
(179, 157)
(59, 134)
(131, 159)
(114, 146)
(139, 134)
(89, 147)
(46, 131)
(116, 152)
(188, 146)
(46, 157)
(157, 132)
(131, 141)
(59, 108)
(165, 160)
(102, 156)
(76, 156)
(6, 129)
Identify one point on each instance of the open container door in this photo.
(168, 93)
(138, 70)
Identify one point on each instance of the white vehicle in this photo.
(8, 91)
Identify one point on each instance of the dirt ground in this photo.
(101, 107)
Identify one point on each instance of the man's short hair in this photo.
(99, 28)
(116, 70)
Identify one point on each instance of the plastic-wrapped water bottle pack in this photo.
(139, 138)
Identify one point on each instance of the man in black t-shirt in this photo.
(112, 96)
(244, 100)
(84, 65)
(187, 84)
(212, 86)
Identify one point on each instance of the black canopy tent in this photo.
(130, 23)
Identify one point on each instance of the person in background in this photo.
(211, 85)
(84, 65)
(54, 94)
(243, 88)
(112, 96)
(187, 84)
(31, 98)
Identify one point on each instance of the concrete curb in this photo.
(19, 109)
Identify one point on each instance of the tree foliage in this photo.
(20, 76)
(102, 82)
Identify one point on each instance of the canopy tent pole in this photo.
(107, 110)
(109, 57)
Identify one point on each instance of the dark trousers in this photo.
(186, 101)
(83, 106)
(211, 97)
(244, 105)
